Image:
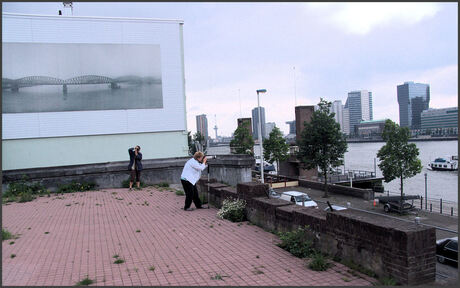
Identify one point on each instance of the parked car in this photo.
(447, 250)
(298, 198)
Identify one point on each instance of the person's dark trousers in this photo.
(191, 194)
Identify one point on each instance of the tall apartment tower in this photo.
(269, 128)
(202, 125)
(413, 98)
(255, 122)
(359, 105)
(291, 126)
(337, 108)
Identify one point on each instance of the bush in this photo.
(388, 282)
(25, 197)
(232, 210)
(163, 184)
(75, 187)
(180, 192)
(295, 243)
(319, 262)
(6, 234)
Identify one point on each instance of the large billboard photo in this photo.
(57, 77)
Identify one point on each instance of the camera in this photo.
(211, 156)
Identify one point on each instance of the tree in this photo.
(276, 148)
(242, 140)
(398, 158)
(191, 144)
(198, 138)
(322, 144)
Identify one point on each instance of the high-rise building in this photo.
(202, 125)
(413, 98)
(346, 121)
(359, 104)
(268, 128)
(255, 122)
(291, 127)
(337, 108)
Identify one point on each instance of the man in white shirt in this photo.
(190, 175)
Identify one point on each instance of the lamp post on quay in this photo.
(260, 135)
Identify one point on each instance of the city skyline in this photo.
(354, 46)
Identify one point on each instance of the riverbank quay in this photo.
(360, 140)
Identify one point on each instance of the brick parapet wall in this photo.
(390, 248)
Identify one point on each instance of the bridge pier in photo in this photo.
(64, 88)
(15, 88)
(114, 85)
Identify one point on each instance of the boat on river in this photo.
(443, 164)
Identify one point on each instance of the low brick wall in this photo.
(390, 248)
(234, 168)
(339, 189)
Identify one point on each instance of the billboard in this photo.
(76, 76)
(52, 77)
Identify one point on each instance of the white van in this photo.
(298, 198)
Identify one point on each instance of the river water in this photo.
(440, 184)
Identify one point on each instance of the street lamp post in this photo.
(260, 135)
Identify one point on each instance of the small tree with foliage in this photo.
(398, 158)
(191, 144)
(322, 144)
(198, 138)
(276, 148)
(242, 142)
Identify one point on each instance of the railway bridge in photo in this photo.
(30, 81)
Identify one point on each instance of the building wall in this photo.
(62, 151)
(268, 128)
(439, 118)
(255, 122)
(292, 128)
(61, 138)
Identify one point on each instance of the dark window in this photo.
(452, 245)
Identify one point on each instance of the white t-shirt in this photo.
(192, 171)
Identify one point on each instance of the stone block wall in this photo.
(390, 248)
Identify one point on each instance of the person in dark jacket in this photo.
(135, 166)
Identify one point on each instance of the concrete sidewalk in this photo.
(160, 243)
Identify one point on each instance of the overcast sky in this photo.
(233, 49)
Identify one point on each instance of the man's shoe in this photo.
(201, 207)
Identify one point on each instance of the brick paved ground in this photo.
(87, 229)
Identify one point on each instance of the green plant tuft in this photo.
(85, 282)
(152, 268)
(75, 187)
(232, 210)
(295, 242)
(180, 192)
(388, 281)
(163, 184)
(125, 184)
(119, 261)
(319, 262)
(6, 234)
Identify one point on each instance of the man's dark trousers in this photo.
(191, 193)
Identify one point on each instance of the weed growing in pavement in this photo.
(352, 265)
(179, 193)
(288, 270)
(295, 243)
(218, 277)
(257, 256)
(170, 271)
(388, 281)
(47, 232)
(119, 261)
(135, 269)
(163, 184)
(6, 234)
(319, 262)
(346, 279)
(256, 271)
(85, 282)
(152, 268)
(125, 184)
(138, 231)
(23, 191)
(12, 256)
(12, 242)
(232, 210)
(75, 187)
(211, 226)
(68, 204)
